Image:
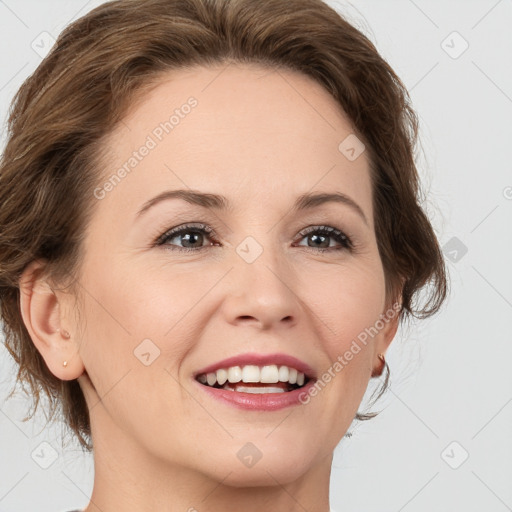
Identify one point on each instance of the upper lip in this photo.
(260, 360)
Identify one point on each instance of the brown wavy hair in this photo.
(105, 61)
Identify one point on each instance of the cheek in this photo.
(133, 311)
(351, 304)
(351, 301)
(132, 344)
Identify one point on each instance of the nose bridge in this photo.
(262, 282)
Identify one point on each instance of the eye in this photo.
(192, 237)
(321, 236)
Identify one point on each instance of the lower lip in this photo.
(259, 401)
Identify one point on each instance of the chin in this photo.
(263, 476)
(269, 468)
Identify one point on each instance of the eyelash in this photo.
(339, 236)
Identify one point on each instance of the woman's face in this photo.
(240, 279)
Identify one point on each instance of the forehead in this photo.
(245, 131)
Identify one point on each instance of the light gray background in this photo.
(451, 377)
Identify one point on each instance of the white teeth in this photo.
(247, 389)
(283, 374)
(222, 376)
(250, 373)
(235, 374)
(268, 374)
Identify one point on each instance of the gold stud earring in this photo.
(378, 373)
(65, 363)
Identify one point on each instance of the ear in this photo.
(391, 320)
(42, 313)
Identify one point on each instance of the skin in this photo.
(261, 138)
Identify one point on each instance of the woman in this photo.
(211, 231)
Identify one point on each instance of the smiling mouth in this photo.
(257, 387)
(254, 379)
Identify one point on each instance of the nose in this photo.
(262, 293)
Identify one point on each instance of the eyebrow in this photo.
(218, 202)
